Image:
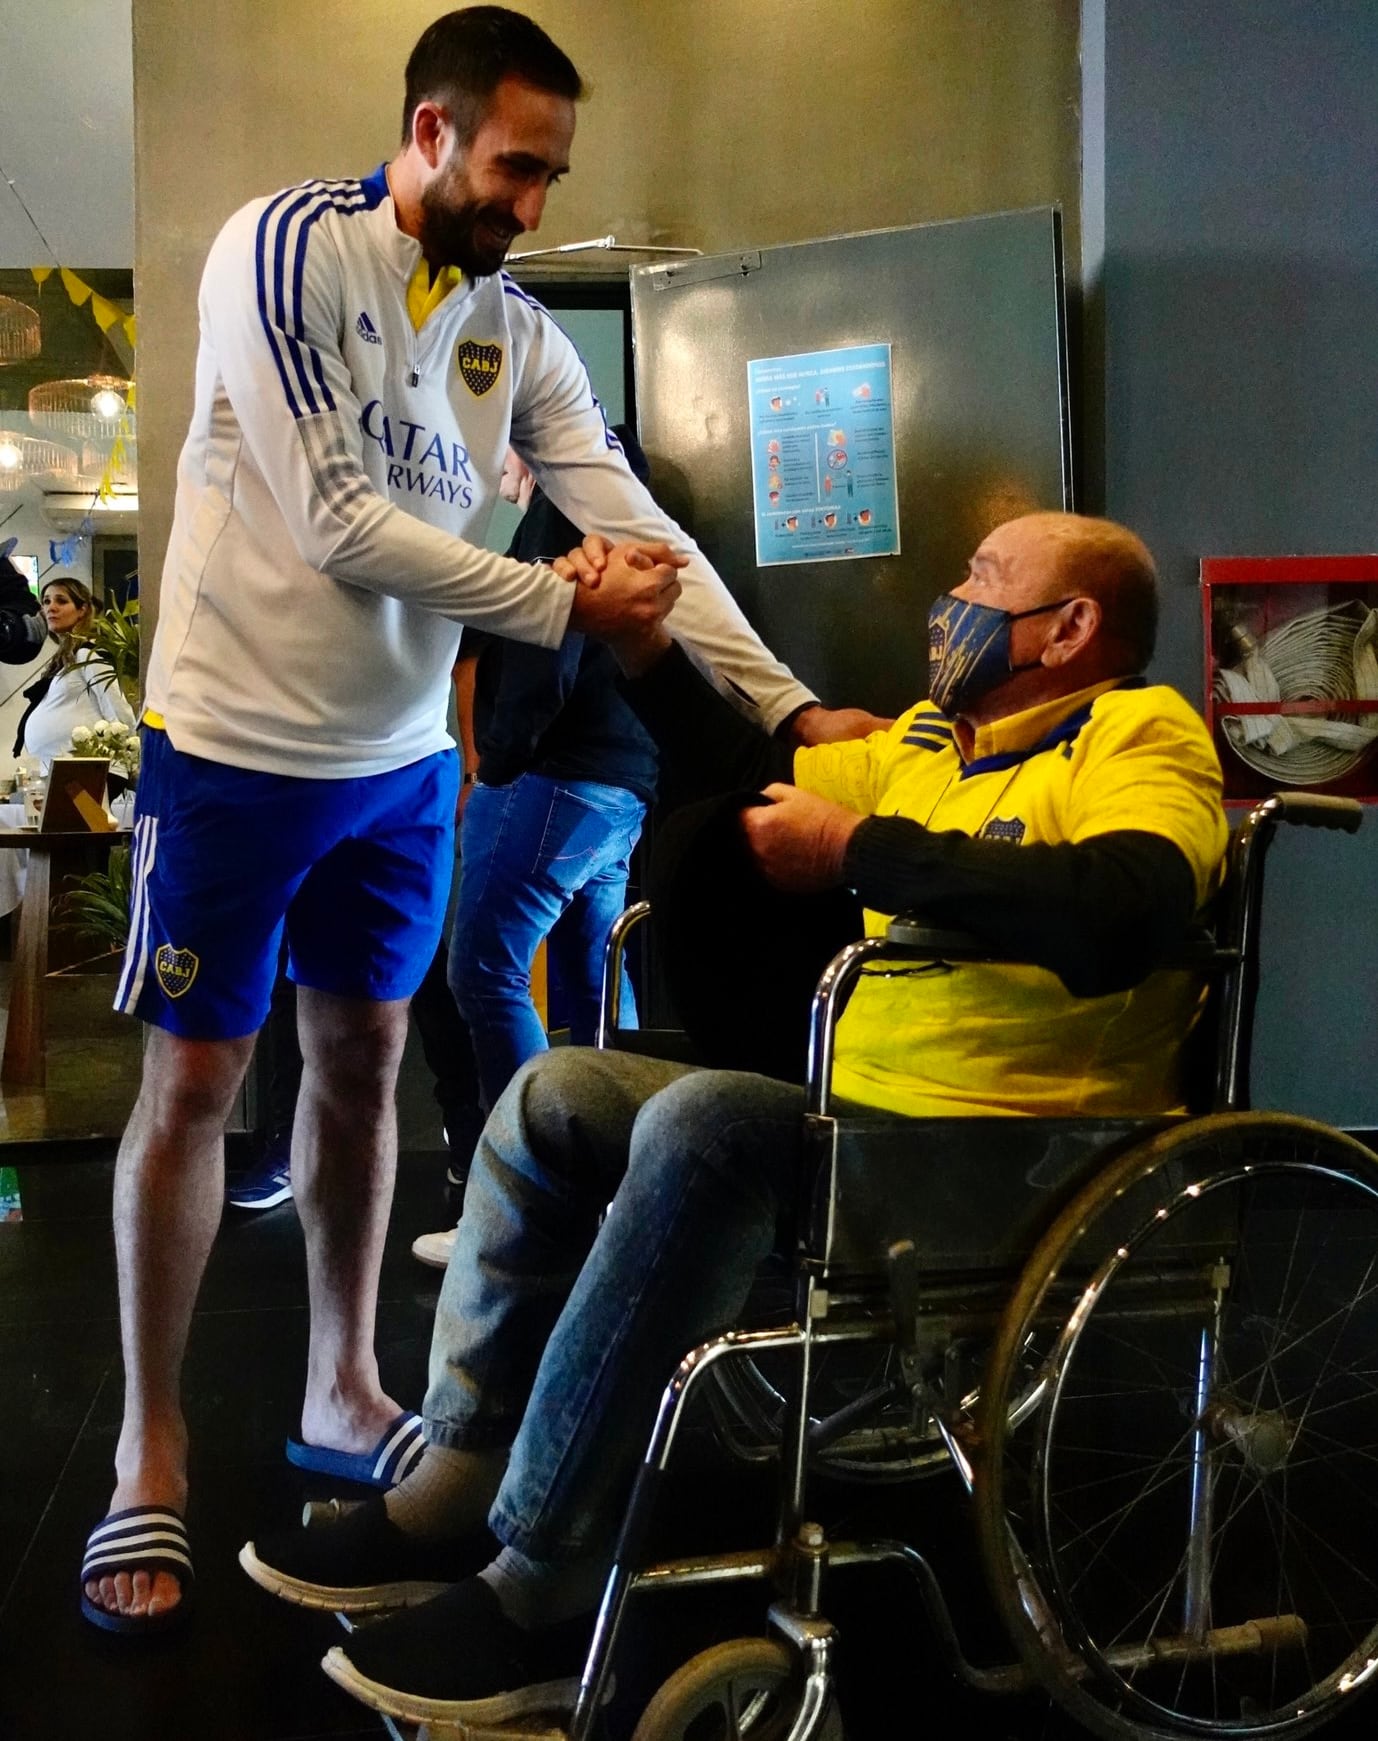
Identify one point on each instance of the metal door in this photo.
(973, 312)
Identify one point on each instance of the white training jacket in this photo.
(337, 482)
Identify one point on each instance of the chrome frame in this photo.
(795, 1564)
(610, 997)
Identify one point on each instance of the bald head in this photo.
(1078, 555)
(1078, 605)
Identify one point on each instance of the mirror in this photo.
(69, 501)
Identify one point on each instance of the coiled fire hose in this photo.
(1323, 655)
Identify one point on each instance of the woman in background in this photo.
(77, 686)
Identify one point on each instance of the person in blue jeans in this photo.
(542, 857)
(565, 772)
(558, 775)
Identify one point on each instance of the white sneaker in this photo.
(435, 1248)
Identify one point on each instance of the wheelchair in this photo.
(1149, 1349)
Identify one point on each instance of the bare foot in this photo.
(136, 1595)
(139, 1594)
(351, 1423)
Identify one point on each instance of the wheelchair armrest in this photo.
(907, 938)
(906, 935)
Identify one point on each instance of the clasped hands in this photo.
(625, 592)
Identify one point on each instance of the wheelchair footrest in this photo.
(1278, 1632)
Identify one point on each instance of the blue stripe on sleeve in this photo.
(332, 202)
(270, 331)
(294, 349)
(283, 323)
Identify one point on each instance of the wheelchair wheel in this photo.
(1178, 1510)
(744, 1690)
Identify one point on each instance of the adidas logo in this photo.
(367, 331)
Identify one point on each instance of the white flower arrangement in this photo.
(110, 740)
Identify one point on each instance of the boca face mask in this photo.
(969, 649)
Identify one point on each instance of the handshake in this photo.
(625, 592)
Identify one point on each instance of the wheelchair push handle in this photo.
(1314, 810)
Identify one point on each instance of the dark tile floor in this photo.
(246, 1668)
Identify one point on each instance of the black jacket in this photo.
(22, 629)
(558, 712)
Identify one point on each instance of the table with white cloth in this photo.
(13, 865)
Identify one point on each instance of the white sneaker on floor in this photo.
(435, 1248)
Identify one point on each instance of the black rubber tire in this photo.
(1239, 1170)
(714, 1681)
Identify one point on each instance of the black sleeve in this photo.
(1099, 913)
(706, 746)
(22, 629)
(533, 685)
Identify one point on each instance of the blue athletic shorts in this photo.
(355, 871)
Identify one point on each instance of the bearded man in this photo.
(364, 366)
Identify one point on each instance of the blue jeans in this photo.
(533, 853)
(555, 1335)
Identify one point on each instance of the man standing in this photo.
(364, 365)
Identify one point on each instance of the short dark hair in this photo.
(463, 57)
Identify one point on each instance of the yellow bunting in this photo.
(105, 489)
(104, 312)
(77, 288)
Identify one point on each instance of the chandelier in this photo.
(87, 408)
(21, 336)
(25, 459)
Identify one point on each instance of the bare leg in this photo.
(169, 1185)
(344, 1157)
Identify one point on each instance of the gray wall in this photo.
(1230, 155)
(710, 123)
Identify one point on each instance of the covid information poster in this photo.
(823, 456)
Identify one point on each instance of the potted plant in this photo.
(96, 907)
(114, 635)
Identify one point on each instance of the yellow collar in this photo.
(425, 295)
(1018, 732)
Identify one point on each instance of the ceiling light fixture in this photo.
(107, 404)
(25, 459)
(21, 335)
(86, 407)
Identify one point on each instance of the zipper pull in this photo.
(414, 377)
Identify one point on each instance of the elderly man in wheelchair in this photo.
(1146, 1340)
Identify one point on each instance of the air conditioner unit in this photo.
(67, 511)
